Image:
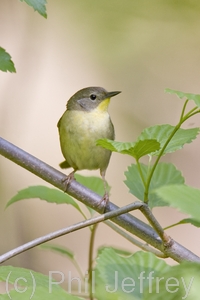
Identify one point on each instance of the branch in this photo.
(134, 241)
(69, 229)
(88, 197)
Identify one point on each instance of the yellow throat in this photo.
(103, 106)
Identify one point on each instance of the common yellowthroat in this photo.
(86, 120)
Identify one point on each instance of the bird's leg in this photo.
(106, 195)
(68, 179)
(105, 199)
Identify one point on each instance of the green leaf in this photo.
(6, 64)
(93, 183)
(134, 182)
(124, 277)
(190, 221)
(152, 140)
(189, 96)
(26, 284)
(117, 251)
(180, 282)
(38, 293)
(143, 148)
(162, 132)
(41, 279)
(114, 145)
(184, 198)
(185, 221)
(38, 5)
(137, 150)
(143, 276)
(64, 251)
(58, 249)
(164, 174)
(44, 193)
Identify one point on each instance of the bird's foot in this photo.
(68, 179)
(104, 201)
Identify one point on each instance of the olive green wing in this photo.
(64, 165)
(58, 124)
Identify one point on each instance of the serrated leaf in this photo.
(124, 277)
(6, 64)
(134, 182)
(114, 145)
(144, 277)
(137, 150)
(180, 282)
(162, 132)
(44, 193)
(183, 197)
(181, 137)
(181, 95)
(164, 174)
(38, 5)
(143, 148)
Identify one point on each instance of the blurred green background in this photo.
(138, 47)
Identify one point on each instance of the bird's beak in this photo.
(112, 94)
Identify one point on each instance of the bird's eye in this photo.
(93, 96)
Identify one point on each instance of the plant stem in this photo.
(192, 113)
(176, 128)
(140, 172)
(90, 260)
(183, 109)
(146, 192)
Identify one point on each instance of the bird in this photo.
(86, 120)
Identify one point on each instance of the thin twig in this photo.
(135, 242)
(69, 229)
(155, 224)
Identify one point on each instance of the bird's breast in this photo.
(88, 122)
(79, 131)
